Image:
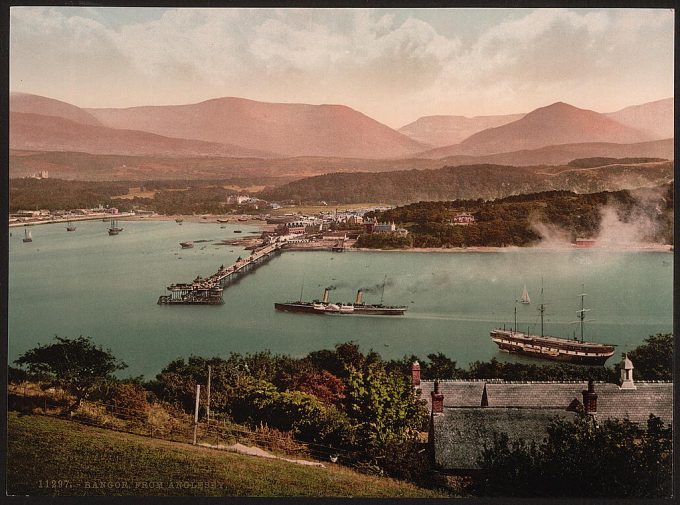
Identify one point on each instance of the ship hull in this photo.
(366, 310)
(297, 307)
(552, 348)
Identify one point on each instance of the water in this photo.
(87, 283)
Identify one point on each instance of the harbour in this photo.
(107, 287)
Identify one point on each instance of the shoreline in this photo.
(490, 249)
(264, 226)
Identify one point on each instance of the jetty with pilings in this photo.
(209, 291)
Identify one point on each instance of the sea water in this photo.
(89, 283)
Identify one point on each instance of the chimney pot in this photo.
(590, 399)
(415, 373)
(627, 373)
(437, 400)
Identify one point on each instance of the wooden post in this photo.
(207, 408)
(198, 397)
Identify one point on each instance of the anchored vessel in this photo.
(114, 229)
(356, 308)
(70, 226)
(27, 236)
(187, 245)
(553, 348)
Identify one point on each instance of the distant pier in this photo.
(209, 291)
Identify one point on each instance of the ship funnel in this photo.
(359, 298)
(325, 295)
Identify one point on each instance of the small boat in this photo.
(243, 218)
(27, 236)
(114, 230)
(70, 226)
(187, 245)
(237, 231)
(179, 220)
(525, 296)
(222, 220)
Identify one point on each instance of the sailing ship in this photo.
(27, 236)
(553, 348)
(114, 229)
(70, 226)
(525, 296)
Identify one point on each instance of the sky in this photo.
(395, 65)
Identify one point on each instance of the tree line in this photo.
(485, 181)
(512, 221)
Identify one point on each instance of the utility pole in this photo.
(198, 398)
(207, 408)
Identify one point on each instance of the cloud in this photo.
(367, 59)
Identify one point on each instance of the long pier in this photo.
(209, 291)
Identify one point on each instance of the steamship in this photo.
(553, 348)
(356, 308)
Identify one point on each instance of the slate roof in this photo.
(460, 434)
(634, 404)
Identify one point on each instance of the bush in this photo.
(582, 459)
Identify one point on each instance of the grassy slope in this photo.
(44, 448)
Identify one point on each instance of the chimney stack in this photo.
(590, 399)
(627, 373)
(325, 295)
(415, 373)
(359, 300)
(437, 399)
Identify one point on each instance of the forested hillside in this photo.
(557, 216)
(466, 182)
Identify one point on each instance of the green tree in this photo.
(76, 365)
(441, 367)
(582, 459)
(383, 408)
(653, 360)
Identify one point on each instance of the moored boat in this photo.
(187, 245)
(114, 229)
(550, 347)
(27, 236)
(70, 226)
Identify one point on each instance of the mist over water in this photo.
(106, 287)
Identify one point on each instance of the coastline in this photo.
(264, 226)
(645, 247)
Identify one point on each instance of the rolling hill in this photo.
(559, 123)
(442, 131)
(84, 166)
(34, 104)
(469, 182)
(560, 154)
(284, 128)
(52, 133)
(655, 118)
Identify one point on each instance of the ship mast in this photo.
(542, 307)
(302, 286)
(515, 316)
(582, 312)
(383, 289)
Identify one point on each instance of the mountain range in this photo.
(239, 128)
